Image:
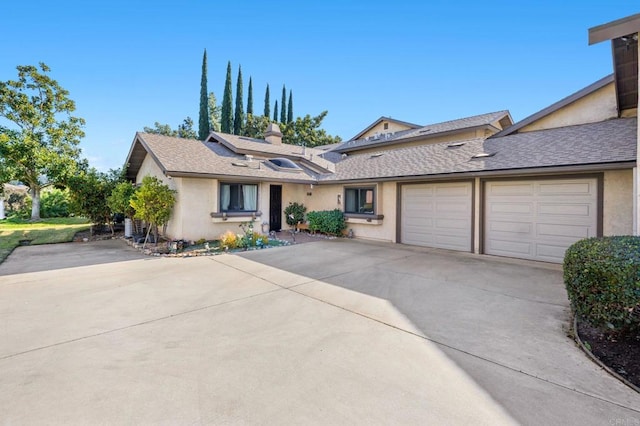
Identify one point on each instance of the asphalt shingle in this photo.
(595, 143)
(426, 131)
(189, 156)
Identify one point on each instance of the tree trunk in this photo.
(155, 234)
(34, 191)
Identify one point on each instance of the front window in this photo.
(238, 197)
(359, 200)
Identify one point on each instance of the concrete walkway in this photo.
(332, 332)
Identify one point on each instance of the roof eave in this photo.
(175, 173)
(139, 140)
(548, 170)
(614, 29)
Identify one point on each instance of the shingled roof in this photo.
(609, 142)
(428, 131)
(189, 157)
(246, 145)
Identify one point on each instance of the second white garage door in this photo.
(437, 215)
(539, 219)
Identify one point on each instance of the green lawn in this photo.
(47, 231)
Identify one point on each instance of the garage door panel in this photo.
(542, 220)
(514, 188)
(564, 209)
(512, 208)
(567, 188)
(504, 248)
(512, 227)
(449, 207)
(461, 190)
(575, 232)
(456, 226)
(437, 215)
(451, 242)
(550, 252)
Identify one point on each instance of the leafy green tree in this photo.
(120, 199)
(290, 108)
(256, 125)
(250, 98)
(238, 116)
(267, 103)
(275, 111)
(43, 150)
(283, 106)
(153, 202)
(204, 125)
(214, 112)
(185, 130)
(6, 169)
(306, 131)
(226, 123)
(90, 190)
(161, 129)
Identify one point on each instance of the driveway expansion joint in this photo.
(138, 324)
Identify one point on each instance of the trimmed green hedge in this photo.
(327, 221)
(602, 276)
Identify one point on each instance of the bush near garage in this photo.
(327, 221)
(602, 276)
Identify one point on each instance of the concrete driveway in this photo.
(331, 332)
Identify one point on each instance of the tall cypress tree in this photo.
(283, 106)
(267, 106)
(238, 116)
(250, 98)
(226, 122)
(204, 126)
(275, 112)
(290, 108)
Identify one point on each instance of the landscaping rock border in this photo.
(196, 253)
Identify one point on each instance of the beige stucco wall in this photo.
(325, 197)
(618, 203)
(597, 106)
(150, 168)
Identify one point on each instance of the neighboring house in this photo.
(477, 184)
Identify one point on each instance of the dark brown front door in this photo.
(275, 208)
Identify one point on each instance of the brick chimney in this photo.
(273, 135)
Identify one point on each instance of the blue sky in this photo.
(129, 63)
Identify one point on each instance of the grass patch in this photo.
(46, 231)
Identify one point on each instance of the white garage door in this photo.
(539, 219)
(437, 215)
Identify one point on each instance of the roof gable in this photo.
(580, 94)
(404, 125)
(493, 120)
